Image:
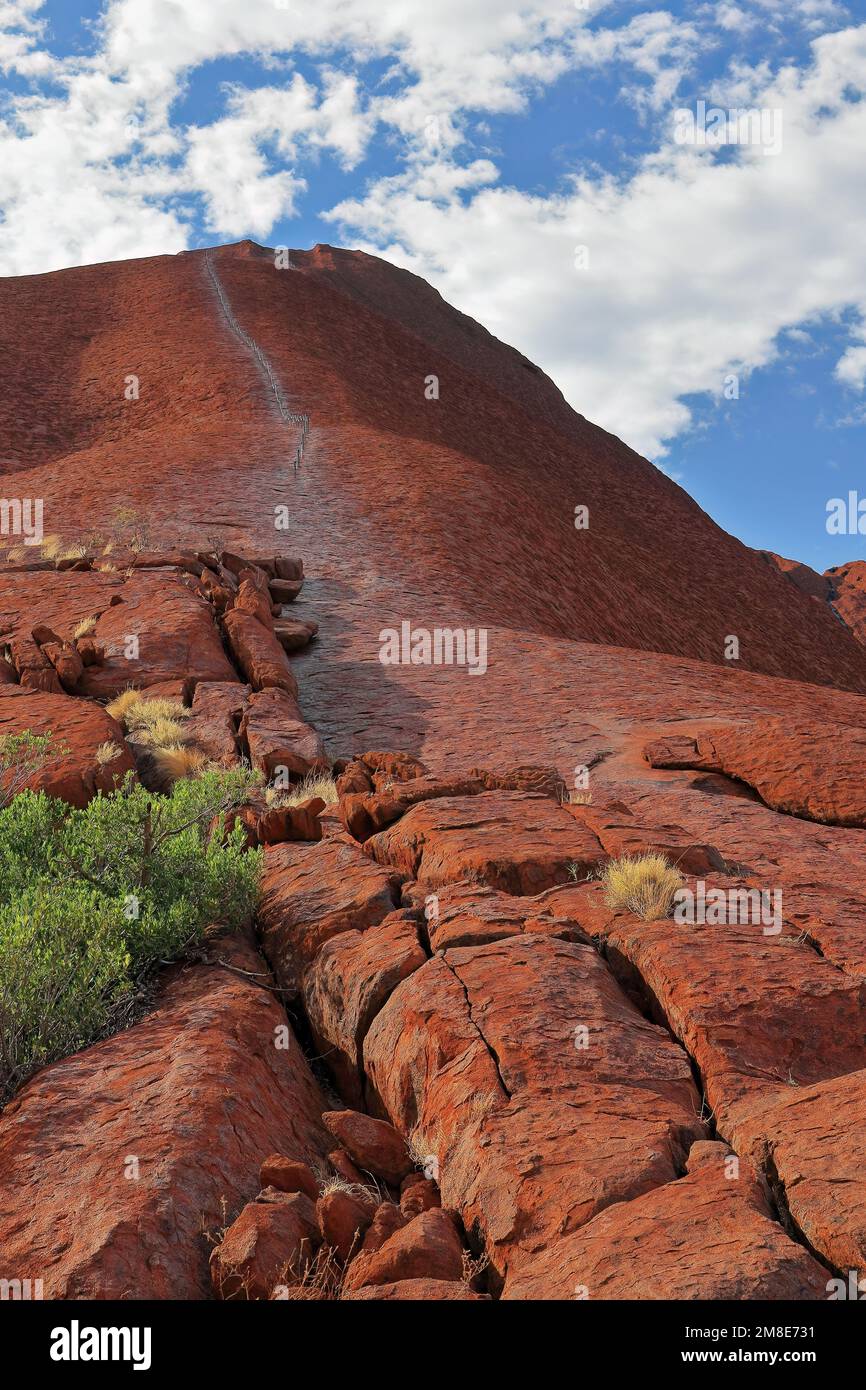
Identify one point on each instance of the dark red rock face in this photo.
(167, 1121)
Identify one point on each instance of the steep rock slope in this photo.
(462, 508)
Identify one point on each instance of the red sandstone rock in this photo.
(66, 661)
(268, 1244)
(281, 823)
(755, 1011)
(80, 729)
(466, 914)
(31, 664)
(539, 1090)
(217, 707)
(544, 780)
(620, 834)
(258, 654)
(427, 1248)
(311, 892)
(288, 1175)
(343, 1218)
(709, 1236)
(286, 590)
(387, 1219)
(516, 841)
(811, 1143)
(198, 1093)
(797, 768)
(420, 1196)
(346, 986)
(292, 635)
(344, 1167)
(286, 568)
(254, 600)
(372, 1144)
(158, 632)
(277, 736)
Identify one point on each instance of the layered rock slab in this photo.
(312, 892)
(519, 842)
(711, 1235)
(538, 1092)
(122, 1154)
(81, 728)
(811, 1142)
(754, 1011)
(155, 630)
(817, 771)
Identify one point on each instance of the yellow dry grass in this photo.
(319, 784)
(643, 884)
(85, 628)
(172, 763)
(107, 752)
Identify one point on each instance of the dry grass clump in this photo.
(121, 705)
(85, 628)
(54, 547)
(371, 1192)
(316, 1278)
(319, 784)
(577, 798)
(149, 717)
(107, 752)
(159, 731)
(172, 762)
(643, 884)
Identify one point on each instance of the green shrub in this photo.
(92, 899)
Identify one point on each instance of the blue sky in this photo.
(481, 143)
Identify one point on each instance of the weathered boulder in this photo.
(280, 823)
(285, 590)
(755, 1011)
(156, 631)
(166, 1121)
(520, 842)
(268, 1244)
(277, 736)
(374, 1145)
(428, 1247)
(217, 709)
(91, 753)
(536, 1089)
(811, 1143)
(294, 635)
(257, 653)
(343, 1218)
(794, 765)
(711, 1235)
(422, 1194)
(311, 892)
(347, 984)
(288, 1175)
(621, 833)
